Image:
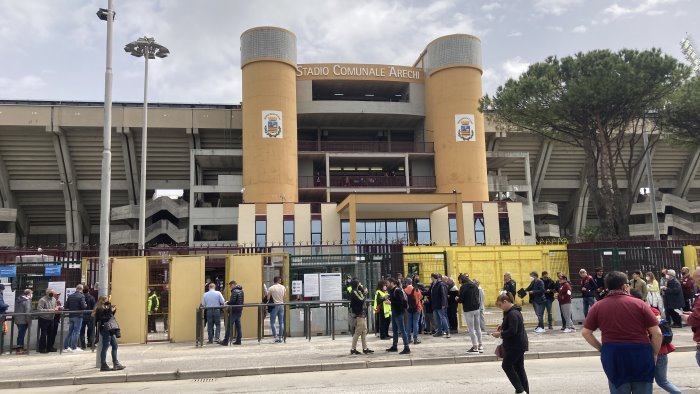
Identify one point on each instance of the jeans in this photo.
(71, 339)
(413, 319)
(539, 311)
(514, 366)
(587, 303)
(566, 319)
(632, 388)
(21, 331)
(107, 341)
(234, 321)
(278, 313)
(697, 357)
(661, 377)
(548, 305)
(473, 323)
(482, 321)
(213, 323)
(45, 329)
(88, 328)
(396, 326)
(441, 321)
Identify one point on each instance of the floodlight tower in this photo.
(690, 51)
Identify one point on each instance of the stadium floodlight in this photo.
(690, 51)
(148, 48)
(103, 12)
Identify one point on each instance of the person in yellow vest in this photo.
(382, 310)
(153, 305)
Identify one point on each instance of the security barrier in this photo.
(9, 330)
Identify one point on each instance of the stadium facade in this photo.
(316, 153)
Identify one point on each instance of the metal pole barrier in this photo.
(261, 321)
(307, 326)
(93, 333)
(285, 309)
(28, 336)
(12, 333)
(2, 334)
(60, 321)
(332, 321)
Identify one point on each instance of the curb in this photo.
(221, 373)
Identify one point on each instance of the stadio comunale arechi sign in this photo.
(377, 72)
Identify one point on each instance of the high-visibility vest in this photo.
(387, 307)
(153, 302)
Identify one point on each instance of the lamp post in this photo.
(148, 48)
(106, 177)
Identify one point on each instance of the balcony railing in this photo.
(365, 146)
(366, 181)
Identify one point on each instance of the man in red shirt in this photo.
(564, 298)
(688, 286)
(628, 355)
(693, 318)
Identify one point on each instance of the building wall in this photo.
(275, 219)
(330, 225)
(516, 223)
(491, 225)
(468, 215)
(302, 223)
(246, 224)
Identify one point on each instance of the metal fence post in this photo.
(261, 321)
(60, 321)
(332, 321)
(2, 335)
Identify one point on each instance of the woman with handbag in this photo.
(515, 343)
(109, 331)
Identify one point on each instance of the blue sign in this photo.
(52, 270)
(8, 272)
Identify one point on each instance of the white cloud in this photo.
(514, 67)
(490, 6)
(555, 28)
(22, 87)
(555, 7)
(580, 29)
(515, 34)
(648, 7)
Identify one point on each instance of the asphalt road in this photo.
(570, 375)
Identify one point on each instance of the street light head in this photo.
(162, 52)
(103, 13)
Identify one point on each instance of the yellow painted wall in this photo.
(302, 223)
(129, 283)
(439, 227)
(690, 257)
(247, 271)
(246, 224)
(491, 225)
(186, 278)
(275, 219)
(330, 225)
(489, 263)
(468, 215)
(515, 223)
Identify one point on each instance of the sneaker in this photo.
(224, 343)
(539, 330)
(448, 336)
(437, 334)
(563, 328)
(77, 350)
(568, 330)
(118, 367)
(68, 350)
(354, 351)
(367, 351)
(392, 349)
(481, 348)
(105, 368)
(473, 350)
(416, 341)
(405, 351)
(237, 343)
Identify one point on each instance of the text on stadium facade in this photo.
(357, 71)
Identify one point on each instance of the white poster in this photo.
(59, 288)
(465, 127)
(296, 287)
(272, 126)
(311, 285)
(69, 292)
(331, 287)
(9, 296)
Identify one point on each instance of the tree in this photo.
(680, 117)
(597, 101)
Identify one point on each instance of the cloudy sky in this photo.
(55, 49)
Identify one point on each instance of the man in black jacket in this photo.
(398, 301)
(75, 302)
(471, 305)
(549, 289)
(234, 315)
(509, 285)
(438, 300)
(673, 298)
(88, 326)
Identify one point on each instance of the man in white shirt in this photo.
(213, 299)
(276, 295)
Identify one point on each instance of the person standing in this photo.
(277, 293)
(104, 312)
(688, 286)
(358, 307)
(673, 298)
(637, 283)
(153, 304)
(537, 297)
(414, 310)
(75, 302)
(549, 289)
(692, 318)
(653, 292)
(471, 303)
(234, 317)
(482, 306)
(428, 315)
(564, 298)
(599, 280)
(56, 321)
(509, 285)
(397, 300)
(515, 343)
(438, 300)
(22, 305)
(212, 301)
(452, 304)
(88, 326)
(382, 310)
(47, 305)
(588, 290)
(630, 337)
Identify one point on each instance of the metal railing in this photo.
(8, 318)
(366, 181)
(365, 146)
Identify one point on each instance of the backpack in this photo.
(412, 302)
(666, 332)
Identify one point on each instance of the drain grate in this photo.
(204, 380)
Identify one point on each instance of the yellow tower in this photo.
(452, 66)
(268, 61)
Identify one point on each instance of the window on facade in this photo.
(316, 237)
(288, 231)
(423, 231)
(453, 230)
(260, 232)
(479, 230)
(504, 229)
